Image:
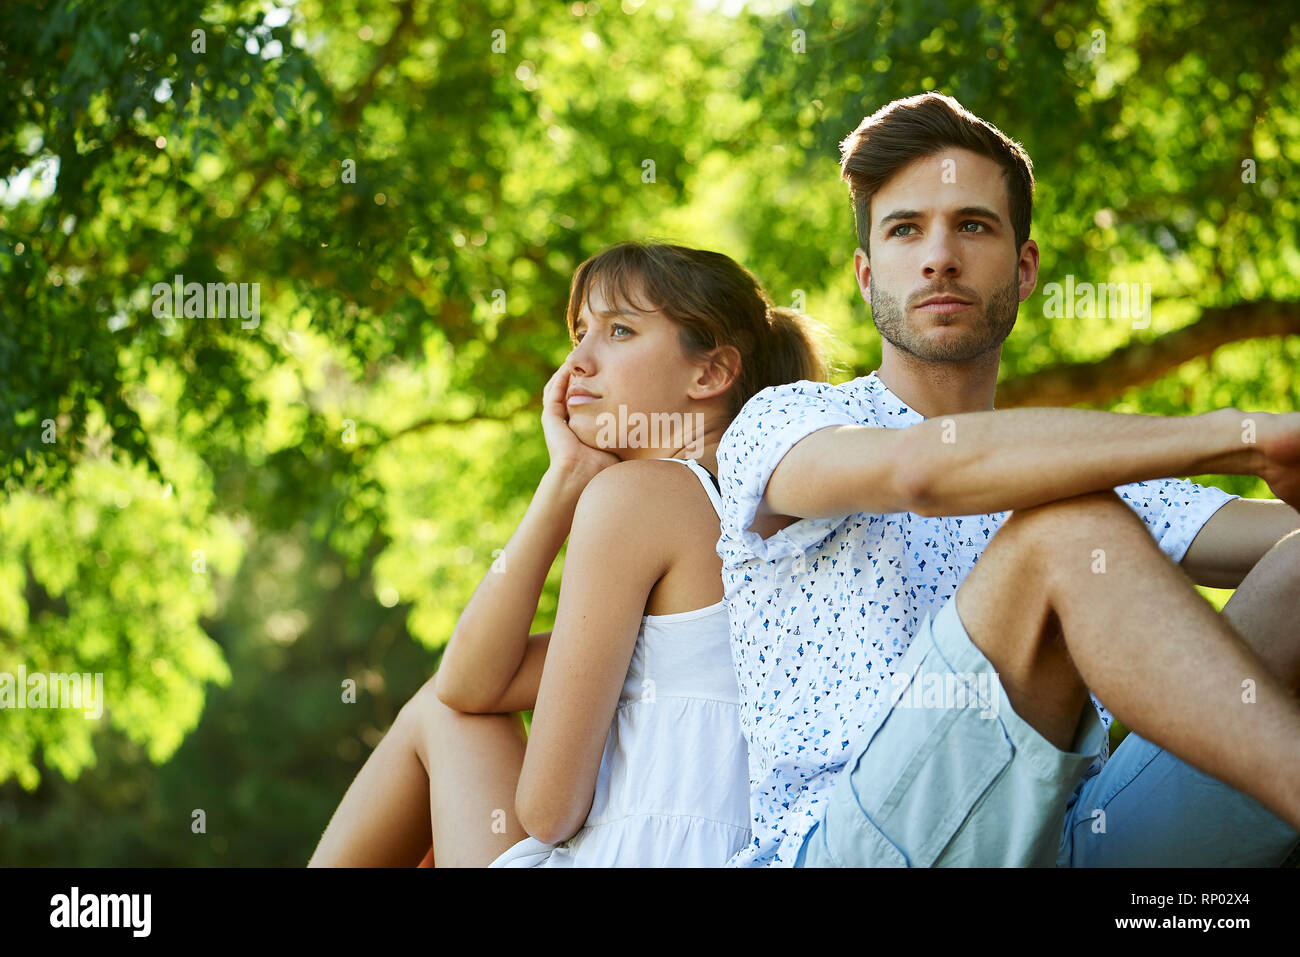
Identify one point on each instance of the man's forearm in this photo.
(980, 462)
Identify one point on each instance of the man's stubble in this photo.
(986, 332)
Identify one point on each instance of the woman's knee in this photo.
(422, 715)
(426, 720)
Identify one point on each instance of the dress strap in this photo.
(708, 480)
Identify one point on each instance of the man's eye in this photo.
(972, 222)
(894, 231)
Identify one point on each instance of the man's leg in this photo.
(1069, 595)
(1077, 595)
(1148, 808)
(1265, 610)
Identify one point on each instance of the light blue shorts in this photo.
(951, 776)
(1148, 808)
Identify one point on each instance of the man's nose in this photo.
(941, 257)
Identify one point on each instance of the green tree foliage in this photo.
(232, 518)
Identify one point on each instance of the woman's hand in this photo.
(571, 458)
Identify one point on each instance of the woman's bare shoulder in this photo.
(663, 491)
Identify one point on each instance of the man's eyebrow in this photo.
(981, 211)
(900, 214)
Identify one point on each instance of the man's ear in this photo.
(717, 374)
(1027, 269)
(862, 270)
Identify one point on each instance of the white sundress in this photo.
(673, 784)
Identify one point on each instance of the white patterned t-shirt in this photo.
(821, 610)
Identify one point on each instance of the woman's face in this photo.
(648, 394)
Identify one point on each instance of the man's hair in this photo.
(922, 125)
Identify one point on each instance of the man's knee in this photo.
(1286, 553)
(1068, 531)
(1100, 506)
(1037, 553)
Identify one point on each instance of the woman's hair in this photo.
(715, 302)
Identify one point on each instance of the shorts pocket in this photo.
(849, 839)
(923, 775)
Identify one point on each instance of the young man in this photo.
(906, 706)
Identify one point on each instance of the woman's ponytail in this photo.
(793, 350)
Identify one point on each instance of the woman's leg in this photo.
(439, 779)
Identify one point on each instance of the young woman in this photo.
(636, 757)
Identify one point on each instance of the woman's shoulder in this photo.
(664, 492)
(651, 476)
(659, 511)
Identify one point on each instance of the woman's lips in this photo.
(580, 399)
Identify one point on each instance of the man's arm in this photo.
(1019, 458)
(981, 462)
(1235, 538)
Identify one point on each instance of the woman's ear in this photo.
(717, 374)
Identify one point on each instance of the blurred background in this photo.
(235, 517)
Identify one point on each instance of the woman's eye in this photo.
(577, 336)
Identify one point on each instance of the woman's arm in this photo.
(491, 657)
(620, 546)
(491, 663)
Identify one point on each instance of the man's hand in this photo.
(1277, 440)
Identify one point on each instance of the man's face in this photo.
(941, 227)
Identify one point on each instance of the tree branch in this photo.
(432, 423)
(351, 109)
(1138, 363)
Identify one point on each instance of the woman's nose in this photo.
(580, 360)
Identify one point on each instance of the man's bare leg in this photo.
(1265, 610)
(1075, 594)
(1149, 808)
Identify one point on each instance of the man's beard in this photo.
(986, 332)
